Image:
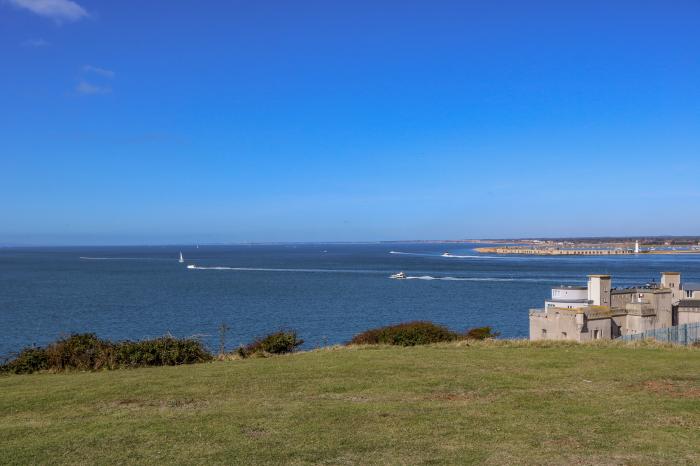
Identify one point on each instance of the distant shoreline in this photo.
(578, 252)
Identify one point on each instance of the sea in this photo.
(325, 292)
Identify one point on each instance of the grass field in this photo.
(495, 403)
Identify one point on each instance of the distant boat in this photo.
(446, 254)
(398, 276)
(182, 260)
(191, 266)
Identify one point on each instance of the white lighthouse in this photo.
(636, 247)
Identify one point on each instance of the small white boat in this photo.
(446, 254)
(191, 266)
(182, 260)
(398, 276)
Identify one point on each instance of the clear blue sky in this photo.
(192, 121)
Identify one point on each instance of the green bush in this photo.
(275, 343)
(27, 361)
(406, 334)
(88, 352)
(80, 351)
(165, 351)
(480, 333)
(418, 333)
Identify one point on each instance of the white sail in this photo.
(181, 258)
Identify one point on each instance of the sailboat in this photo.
(182, 260)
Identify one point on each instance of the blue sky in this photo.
(184, 121)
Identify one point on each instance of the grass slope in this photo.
(495, 403)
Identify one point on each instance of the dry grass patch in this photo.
(181, 404)
(674, 388)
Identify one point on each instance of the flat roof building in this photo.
(599, 311)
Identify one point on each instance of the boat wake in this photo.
(412, 253)
(446, 254)
(85, 258)
(480, 279)
(408, 277)
(473, 256)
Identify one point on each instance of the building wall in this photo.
(551, 325)
(554, 324)
(688, 315)
(636, 324)
(661, 300)
(620, 298)
(553, 304)
(597, 329)
(569, 293)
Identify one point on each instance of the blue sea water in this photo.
(327, 292)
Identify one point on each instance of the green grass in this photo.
(495, 403)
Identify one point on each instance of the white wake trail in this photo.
(446, 255)
(481, 279)
(85, 258)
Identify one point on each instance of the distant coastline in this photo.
(545, 251)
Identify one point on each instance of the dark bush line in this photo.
(281, 342)
(418, 333)
(87, 352)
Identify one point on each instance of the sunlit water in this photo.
(327, 292)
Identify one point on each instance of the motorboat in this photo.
(398, 276)
(191, 266)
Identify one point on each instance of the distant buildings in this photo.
(599, 311)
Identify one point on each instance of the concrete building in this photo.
(599, 311)
(691, 290)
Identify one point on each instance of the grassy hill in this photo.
(497, 403)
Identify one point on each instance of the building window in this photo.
(544, 333)
(596, 334)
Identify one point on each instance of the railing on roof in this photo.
(685, 334)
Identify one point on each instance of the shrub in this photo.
(406, 334)
(165, 351)
(275, 343)
(27, 361)
(87, 352)
(480, 333)
(80, 351)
